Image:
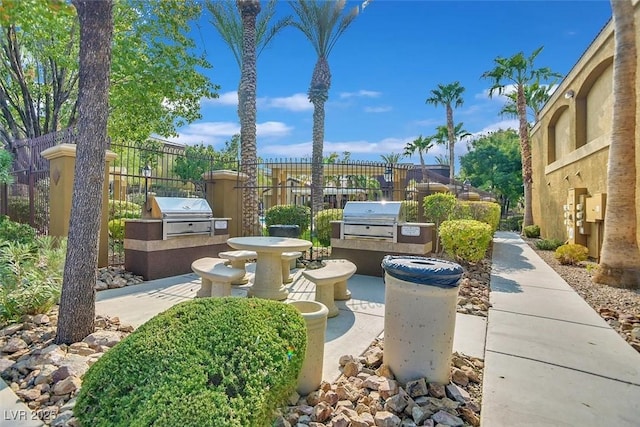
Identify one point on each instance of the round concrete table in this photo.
(268, 276)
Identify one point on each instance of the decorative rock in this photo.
(635, 333)
(101, 286)
(103, 338)
(66, 386)
(459, 377)
(469, 416)
(351, 369)
(417, 388)
(281, 422)
(126, 328)
(11, 329)
(361, 421)
(340, 420)
(346, 359)
(29, 394)
(386, 419)
(387, 388)
(41, 319)
(321, 412)
(5, 363)
(457, 393)
(471, 374)
(14, 345)
(419, 414)
(373, 356)
(396, 403)
(373, 382)
(443, 417)
(436, 390)
(385, 371)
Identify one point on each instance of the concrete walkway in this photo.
(550, 359)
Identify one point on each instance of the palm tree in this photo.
(519, 71)
(246, 36)
(620, 257)
(422, 145)
(391, 158)
(322, 23)
(442, 137)
(449, 96)
(536, 96)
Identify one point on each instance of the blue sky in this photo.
(384, 67)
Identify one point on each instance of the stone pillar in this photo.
(62, 159)
(225, 197)
(119, 177)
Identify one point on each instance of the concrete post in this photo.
(224, 194)
(62, 159)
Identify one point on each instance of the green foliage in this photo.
(12, 231)
(513, 223)
(31, 276)
(465, 239)
(494, 164)
(571, 254)
(206, 362)
(123, 209)
(322, 220)
(549, 244)
(5, 167)
(532, 231)
(116, 229)
(19, 209)
(486, 212)
(409, 210)
(288, 215)
(438, 207)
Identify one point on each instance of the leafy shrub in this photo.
(322, 221)
(19, 209)
(513, 223)
(123, 209)
(437, 208)
(11, 231)
(409, 209)
(31, 279)
(288, 215)
(486, 212)
(571, 254)
(6, 160)
(532, 231)
(465, 239)
(116, 229)
(206, 362)
(549, 244)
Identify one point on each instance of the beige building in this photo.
(570, 147)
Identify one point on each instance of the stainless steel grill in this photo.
(371, 220)
(182, 216)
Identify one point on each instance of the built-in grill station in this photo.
(183, 216)
(173, 232)
(371, 220)
(370, 230)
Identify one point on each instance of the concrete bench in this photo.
(331, 282)
(238, 259)
(215, 277)
(288, 258)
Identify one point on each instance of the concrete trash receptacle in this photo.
(420, 316)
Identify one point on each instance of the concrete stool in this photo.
(215, 277)
(331, 280)
(238, 259)
(287, 259)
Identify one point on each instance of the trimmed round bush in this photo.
(206, 362)
(322, 221)
(124, 209)
(487, 212)
(571, 254)
(466, 239)
(532, 231)
(288, 215)
(116, 228)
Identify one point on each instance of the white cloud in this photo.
(226, 98)
(382, 109)
(503, 124)
(295, 102)
(502, 97)
(429, 122)
(361, 93)
(217, 132)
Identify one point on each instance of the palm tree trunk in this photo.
(317, 170)
(451, 134)
(423, 167)
(525, 150)
(247, 115)
(620, 257)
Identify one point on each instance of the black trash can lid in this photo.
(423, 271)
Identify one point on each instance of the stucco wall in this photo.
(581, 134)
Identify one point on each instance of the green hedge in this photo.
(123, 209)
(486, 212)
(409, 209)
(323, 224)
(12, 231)
(288, 215)
(532, 231)
(465, 239)
(206, 362)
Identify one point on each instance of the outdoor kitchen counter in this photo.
(268, 277)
